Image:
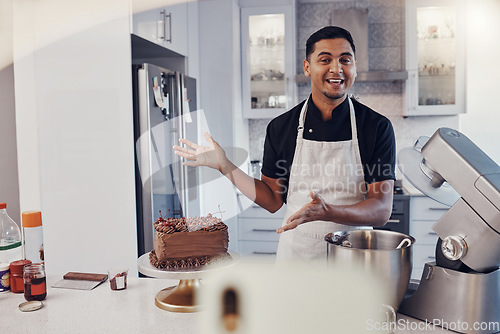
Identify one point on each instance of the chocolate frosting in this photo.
(190, 244)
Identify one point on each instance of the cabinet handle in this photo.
(263, 230)
(264, 253)
(431, 257)
(433, 233)
(169, 15)
(163, 19)
(439, 209)
(394, 221)
(165, 16)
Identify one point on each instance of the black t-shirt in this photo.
(375, 137)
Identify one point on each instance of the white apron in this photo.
(332, 169)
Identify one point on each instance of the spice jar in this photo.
(16, 275)
(35, 285)
(4, 277)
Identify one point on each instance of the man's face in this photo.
(332, 69)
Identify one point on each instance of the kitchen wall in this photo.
(482, 119)
(9, 184)
(220, 101)
(74, 124)
(386, 21)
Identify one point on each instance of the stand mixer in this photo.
(460, 291)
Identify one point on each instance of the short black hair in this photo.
(329, 32)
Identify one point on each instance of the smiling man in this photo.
(330, 158)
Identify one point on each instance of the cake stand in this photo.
(180, 298)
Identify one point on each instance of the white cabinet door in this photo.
(166, 26)
(257, 231)
(259, 249)
(145, 24)
(174, 34)
(425, 212)
(268, 58)
(435, 57)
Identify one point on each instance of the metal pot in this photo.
(384, 253)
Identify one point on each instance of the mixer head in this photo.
(422, 175)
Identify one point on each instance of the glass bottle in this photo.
(10, 237)
(35, 283)
(33, 236)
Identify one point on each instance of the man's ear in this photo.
(306, 68)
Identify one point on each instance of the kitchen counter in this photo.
(100, 310)
(132, 310)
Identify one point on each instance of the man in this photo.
(330, 159)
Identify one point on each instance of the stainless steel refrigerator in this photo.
(164, 111)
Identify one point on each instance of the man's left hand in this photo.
(314, 210)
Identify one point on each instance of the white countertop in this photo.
(100, 310)
(132, 310)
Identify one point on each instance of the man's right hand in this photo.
(212, 156)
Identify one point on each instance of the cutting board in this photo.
(80, 281)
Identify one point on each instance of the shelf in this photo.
(421, 76)
(271, 87)
(372, 76)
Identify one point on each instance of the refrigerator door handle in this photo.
(182, 134)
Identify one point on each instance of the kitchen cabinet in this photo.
(268, 58)
(435, 57)
(257, 231)
(425, 212)
(400, 216)
(165, 26)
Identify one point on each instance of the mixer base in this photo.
(457, 301)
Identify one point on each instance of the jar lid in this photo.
(4, 266)
(3, 206)
(32, 218)
(30, 306)
(34, 268)
(16, 267)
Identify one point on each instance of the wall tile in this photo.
(314, 15)
(303, 34)
(385, 104)
(385, 35)
(377, 88)
(390, 11)
(386, 58)
(257, 130)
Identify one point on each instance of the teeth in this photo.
(335, 81)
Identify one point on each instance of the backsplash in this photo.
(386, 43)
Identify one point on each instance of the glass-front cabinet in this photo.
(267, 61)
(435, 57)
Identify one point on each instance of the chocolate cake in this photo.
(182, 243)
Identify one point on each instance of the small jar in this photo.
(35, 284)
(4, 277)
(16, 275)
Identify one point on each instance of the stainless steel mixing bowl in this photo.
(377, 252)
